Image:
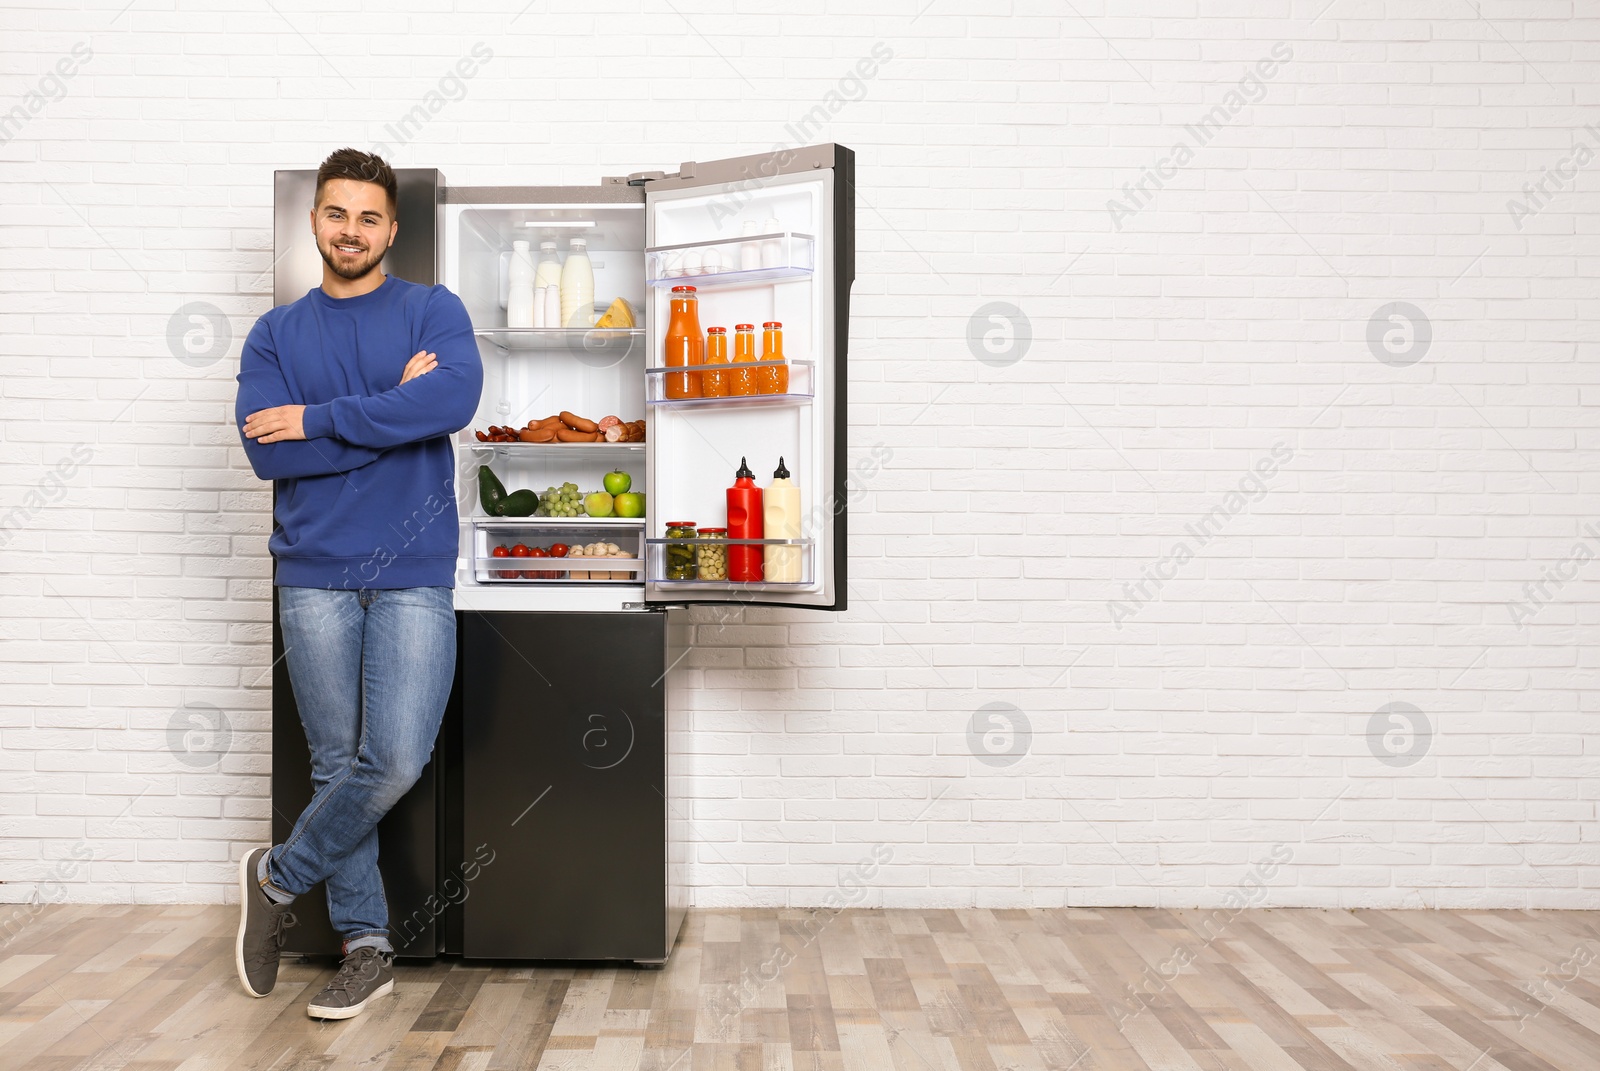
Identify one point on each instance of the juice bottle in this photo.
(714, 383)
(773, 379)
(686, 346)
(742, 381)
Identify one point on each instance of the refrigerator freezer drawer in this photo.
(564, 751)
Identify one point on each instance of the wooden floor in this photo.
(95, 988)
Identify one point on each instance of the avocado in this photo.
(519, 504)
(491, 492)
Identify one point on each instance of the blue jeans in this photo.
(372, 671)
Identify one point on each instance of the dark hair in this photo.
(360, 167)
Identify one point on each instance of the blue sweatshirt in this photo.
(367, 499)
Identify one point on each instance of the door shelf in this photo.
(782, 255)
(580, 341)
(800, 390)
(799, 554)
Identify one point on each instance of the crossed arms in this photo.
(284, 438)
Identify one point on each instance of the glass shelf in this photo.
(800, 390)
(545, 450)
(487, 523)
(782, 255)
(587, 341)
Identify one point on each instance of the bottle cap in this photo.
(782, 473)
(716, 330)
(772, 325)
(744, 472)
(521, 247)
(744, 327)
(683, 289)
(547, 246)
(580, 243)
(680, 524)
(713, 531)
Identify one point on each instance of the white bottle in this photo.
(749, 252)
(577, 287)
(548, 271)
(539, 319)
(780, 517)
(772, 248)
(552, 306)
(519, 294)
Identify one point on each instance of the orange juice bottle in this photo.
(774, 379)
(714, 383)
(685, 346)
(742, 381)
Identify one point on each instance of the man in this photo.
(355, 436)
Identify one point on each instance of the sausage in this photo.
(577, 423)
(542, 435)
(482, 438)
(547, 422)
(607, 422)
(563, 435)
(614, 433)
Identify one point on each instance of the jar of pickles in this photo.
(680, 556)
(711, 563)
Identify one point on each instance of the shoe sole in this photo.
(355, 1009)
(246, 883)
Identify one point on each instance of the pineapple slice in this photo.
(620, 314)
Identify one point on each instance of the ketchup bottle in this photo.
(744, 522)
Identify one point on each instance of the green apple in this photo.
(629, 504)
(598, 504)
(617, 481)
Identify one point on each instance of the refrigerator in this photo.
(557, 793)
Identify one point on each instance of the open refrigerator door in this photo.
(519, 451)
(766, 242)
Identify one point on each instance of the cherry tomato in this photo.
(521, 551)
(538, 552)
(559, 550)
(501, 552)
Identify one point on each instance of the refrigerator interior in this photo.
(532, 373)
(695, 445)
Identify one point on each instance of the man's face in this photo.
(353, 226)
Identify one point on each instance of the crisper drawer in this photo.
(543, 551)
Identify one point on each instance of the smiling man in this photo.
(347, 400)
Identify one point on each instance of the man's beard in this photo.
(351, 269)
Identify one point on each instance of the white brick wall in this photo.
(1218, 738)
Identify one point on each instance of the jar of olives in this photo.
(712, 561)
(680, 556)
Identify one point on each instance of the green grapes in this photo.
(563, 501)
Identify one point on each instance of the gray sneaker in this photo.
(365, 975)
(261, 926)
